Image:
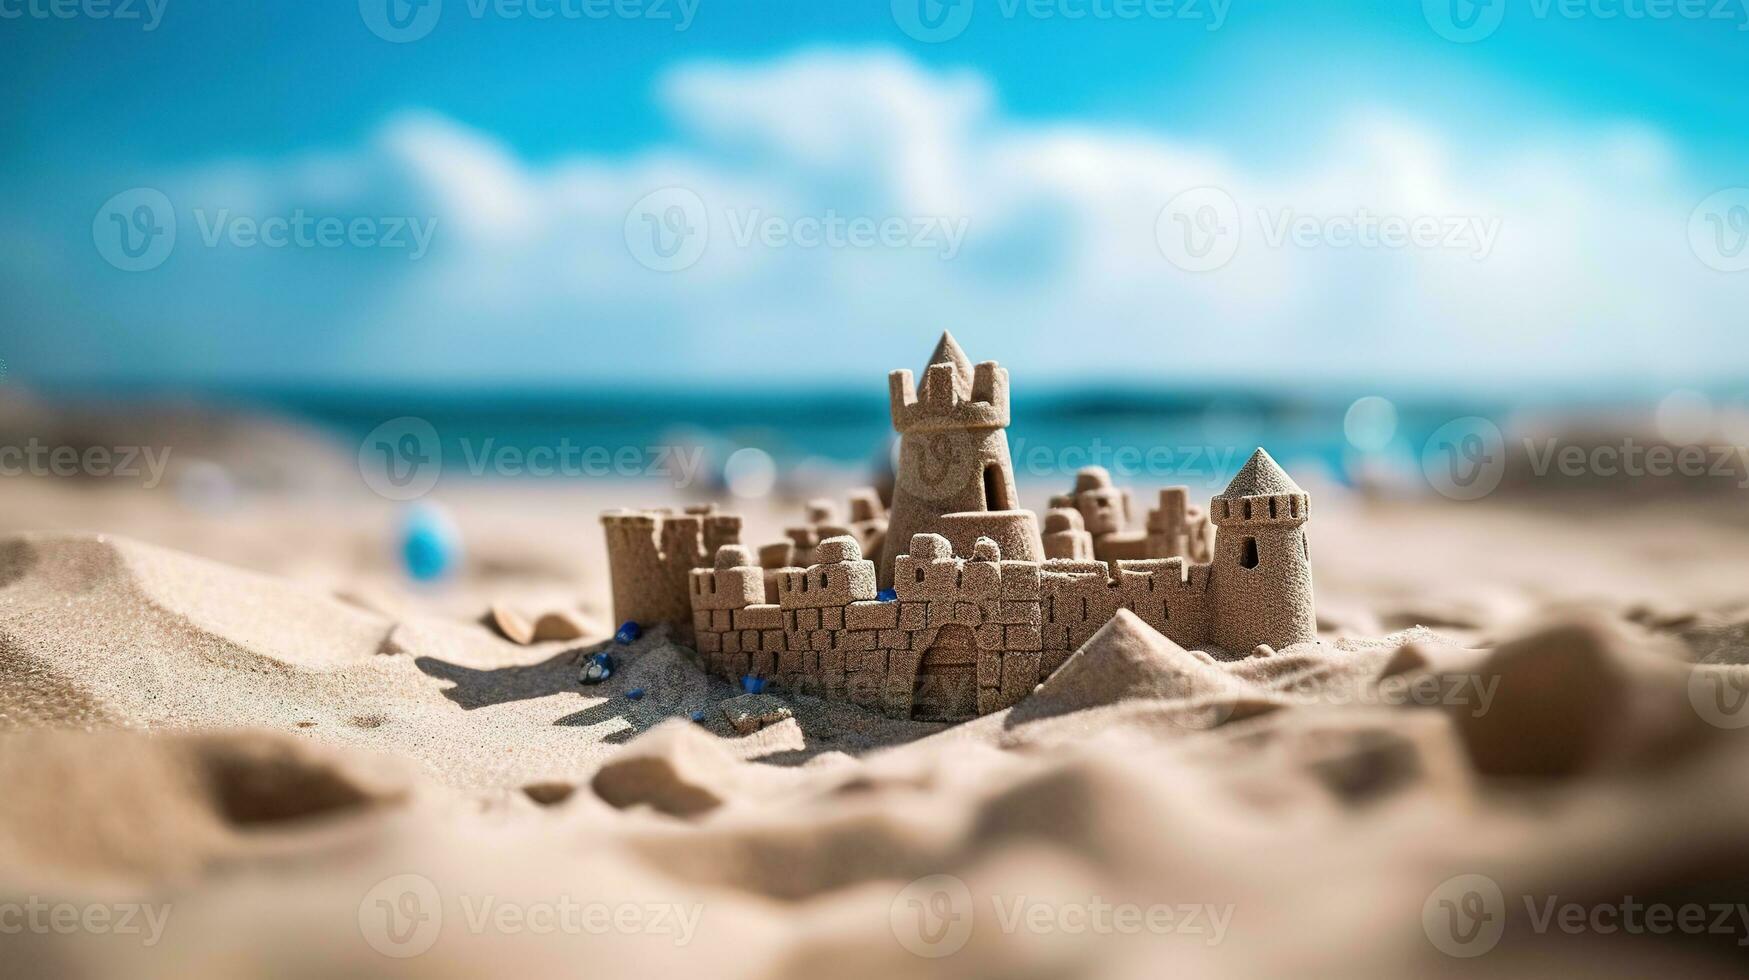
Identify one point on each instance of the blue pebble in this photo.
(430, 543)
(634, 694)
(753, 685)
(597, 668)
(627, 632)
(698, 716)
(888, 595)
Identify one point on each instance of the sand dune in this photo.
(268, 761)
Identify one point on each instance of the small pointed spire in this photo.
(947, 351)
(1259, 477)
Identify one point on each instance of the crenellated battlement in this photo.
(1274, 508)
(945, 402)
(651, 555)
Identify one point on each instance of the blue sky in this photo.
(1589, 139)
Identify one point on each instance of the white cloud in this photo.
(1590, 274)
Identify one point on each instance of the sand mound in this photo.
(102, 630)
(675, 769)
(1575, 696)
(1128, 660)
(121, 807)
(814, 847)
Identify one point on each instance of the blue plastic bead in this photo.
(627, 632)
(430, 543)
(698, 716)
(597, 668)
(634, 694)
(888, 595)
(753, 685)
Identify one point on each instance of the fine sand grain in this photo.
(263, 743)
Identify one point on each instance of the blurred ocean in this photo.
(1199, 437)
(704, 442)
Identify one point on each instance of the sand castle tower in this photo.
(1262, 576)
(955, 476)
(651, 553)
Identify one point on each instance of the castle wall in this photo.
(650, 555)
(981, 632)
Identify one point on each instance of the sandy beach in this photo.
(245, 735)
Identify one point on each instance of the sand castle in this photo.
(954, 603)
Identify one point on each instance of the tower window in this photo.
(1248, 553)
(995, 489)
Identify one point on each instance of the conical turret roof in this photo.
(947, 351)
(1259, 477)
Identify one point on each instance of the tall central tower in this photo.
(955, 477)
